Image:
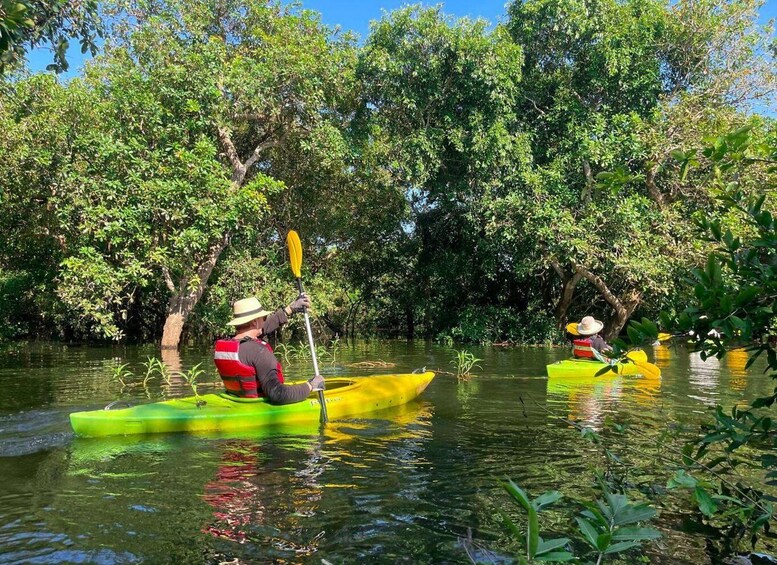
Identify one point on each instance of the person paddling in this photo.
(246, 362)
(589, 339)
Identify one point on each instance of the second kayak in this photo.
(586, 368)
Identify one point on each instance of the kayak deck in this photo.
(219, 412)
(570, 368)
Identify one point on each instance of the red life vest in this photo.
(583, 349)
(239, 378)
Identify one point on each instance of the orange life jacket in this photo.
(239, 379)
(583, 349)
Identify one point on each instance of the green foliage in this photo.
(121, 374)
(735, 300)
(26, 24)
(536, 548)
(547, 163)
(609, 525)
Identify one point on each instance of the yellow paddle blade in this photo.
(295, 253)
(663, 336)
(649, 370)
(572, 328)
(638, 356)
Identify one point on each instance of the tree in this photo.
(196, 102)
(27, 24)
(599, 81)
(437, 110)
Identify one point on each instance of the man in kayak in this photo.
(246, 362)
(589, 344)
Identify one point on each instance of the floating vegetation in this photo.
(372, 365)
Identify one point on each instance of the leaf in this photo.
(603, 541)
(518, 494)
(707, 506)
(546, 498)
(588, 530)
(556, 557)
(632, 514)
(621, 546)
(622, 534)
(548, 545)
(681, 479)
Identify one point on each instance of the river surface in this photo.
(408, 485)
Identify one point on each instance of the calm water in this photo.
(403, 486)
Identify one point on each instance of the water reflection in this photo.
(662, 355)
(587, 399)
(270, 491)
(591, 399)
(736, 360)
(704, 376)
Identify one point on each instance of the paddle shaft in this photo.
(324, 415)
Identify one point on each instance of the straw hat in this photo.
(589, 326)
(246, 310)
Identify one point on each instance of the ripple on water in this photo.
(405, 486)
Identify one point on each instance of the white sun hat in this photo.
(589, 326)
(246, 310)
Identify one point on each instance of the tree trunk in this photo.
(622, 315)
(650, 182)
(569, 282)
(623, 308)
(588, 190)
(186, 296)
(410, 320)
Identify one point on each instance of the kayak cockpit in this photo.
(338, 383)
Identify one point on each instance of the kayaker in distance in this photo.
(589, 339)
(246, 362)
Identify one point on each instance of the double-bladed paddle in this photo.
(295, 258)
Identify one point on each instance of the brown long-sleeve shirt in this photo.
(256, 355)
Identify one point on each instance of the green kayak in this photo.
(222, 413)
(585, 368)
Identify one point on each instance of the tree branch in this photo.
(168, 279)
(229, 149)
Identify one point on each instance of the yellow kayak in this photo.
(219, 412)
(589, 368)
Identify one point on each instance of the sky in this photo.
(355, 15)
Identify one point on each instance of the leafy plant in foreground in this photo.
(608, 526)
(536, 547)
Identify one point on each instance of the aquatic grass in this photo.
(464, 362)
(191, 377)
(154, 367)
(121, 375)
(286, 351)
